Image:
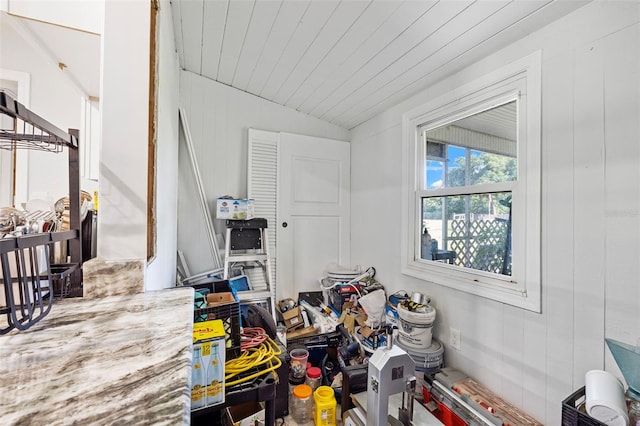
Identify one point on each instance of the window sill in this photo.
(501, 289)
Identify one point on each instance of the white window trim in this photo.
(520, 80)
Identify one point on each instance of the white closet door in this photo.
(313, 210)
(304, 182)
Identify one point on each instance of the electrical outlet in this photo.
(454, 338)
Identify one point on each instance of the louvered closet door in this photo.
(262, 187)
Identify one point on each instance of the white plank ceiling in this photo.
(346, 61)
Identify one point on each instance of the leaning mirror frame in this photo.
(519, 81)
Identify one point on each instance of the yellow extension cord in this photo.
(263, 354)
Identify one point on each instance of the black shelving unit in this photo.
(27, 301)
(262, 390)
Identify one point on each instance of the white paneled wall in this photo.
(622, 186)
(122, 227)
(590, 218)
(219, 118)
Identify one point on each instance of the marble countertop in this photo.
(116, 360)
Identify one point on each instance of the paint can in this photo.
(415, 324)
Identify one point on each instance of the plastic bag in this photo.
(374, 304)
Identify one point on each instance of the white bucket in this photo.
(427, 360)
(604, 398)
(415, 328)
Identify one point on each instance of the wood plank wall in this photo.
(590, 218)
(219, 118)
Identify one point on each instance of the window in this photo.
(472, 188)
(472, 230)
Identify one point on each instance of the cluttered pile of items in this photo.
(347, 343)
(373, 350)
(346, 327)
(352, 311)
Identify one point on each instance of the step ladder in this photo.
(246, 244)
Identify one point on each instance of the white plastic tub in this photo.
(415, 328)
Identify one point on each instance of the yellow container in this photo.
(95, 200)
(325, 412)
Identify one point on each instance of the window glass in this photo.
(471, 202)
(457, 166)
(472, 231)
(435, 174)
(468, 155)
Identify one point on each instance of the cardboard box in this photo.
(302, 332)
(235, 208)
(292, 318)
(214, 299)
(207, 373)
(248, 414)
(350, 319)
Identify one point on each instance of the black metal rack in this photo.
(26, 299)
(262, 388)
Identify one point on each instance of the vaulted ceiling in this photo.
(75, 51)
(346, 61)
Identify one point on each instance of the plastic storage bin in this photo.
(228, 312)
(572, 414)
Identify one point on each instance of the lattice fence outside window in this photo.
(481, 244)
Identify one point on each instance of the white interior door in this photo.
(313, 228)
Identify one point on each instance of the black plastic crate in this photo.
(229, 313)
(572, 414)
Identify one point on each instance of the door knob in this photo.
(285, 224)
